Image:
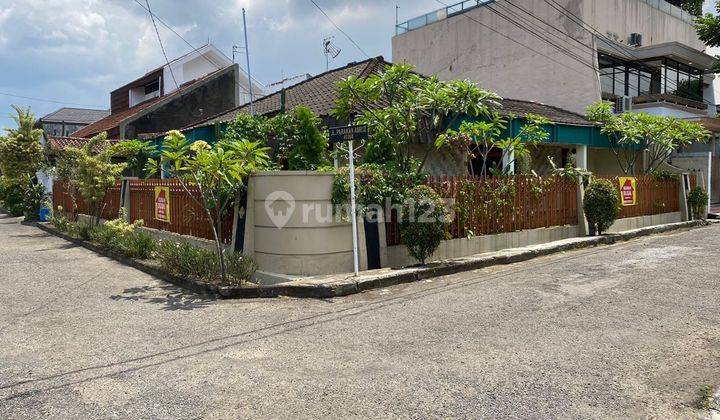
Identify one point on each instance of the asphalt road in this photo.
(629, 330)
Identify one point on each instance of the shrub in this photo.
(184, 260)
(22, 197)
(124, 238)
(698, 199)
(424, 222)
(311, 144)
(137, 244)
(87, 232)
(602, 205)
(59, 220)
(240, 268)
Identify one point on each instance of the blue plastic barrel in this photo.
(44, 214)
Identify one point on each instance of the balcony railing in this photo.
(439, 15)
(464, 6)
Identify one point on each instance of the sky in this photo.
(77, 51)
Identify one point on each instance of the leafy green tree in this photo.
(402, 108)
(694, 7)
(297, 138)
(20, 151)
(481, 137)
(217, 172)
(90, 170)
(631, 133)
(708, 29)
(311, 143)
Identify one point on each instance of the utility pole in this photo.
(396, 15)
(247, 56)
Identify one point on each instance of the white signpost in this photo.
(349, 134)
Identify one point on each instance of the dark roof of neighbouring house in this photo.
(58, 143)
(320, 93)
(114, 120)
(75, 116)
(557, 115)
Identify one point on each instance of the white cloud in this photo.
(80, 50)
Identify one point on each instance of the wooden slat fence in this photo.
(110, 206)
(484, 206)
(654, 196)
(186, 216)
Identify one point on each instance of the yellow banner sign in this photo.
(162, 204)
(628, 191)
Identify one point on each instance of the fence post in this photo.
(125, 198)
(249, 232)
(684, 184)
(583, 228)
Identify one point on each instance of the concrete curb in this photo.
(343, 285)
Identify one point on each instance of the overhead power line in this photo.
(194, 49)
(490, 28)
(594, 31)
(339, 29)
(162, 47)
(52, 101)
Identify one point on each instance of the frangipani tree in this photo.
(402, 107)
(218, 172)
(631, 133)
(481, 137)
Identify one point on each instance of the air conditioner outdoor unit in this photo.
(623, 104)
(636, 39)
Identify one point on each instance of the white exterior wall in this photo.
(193, 66)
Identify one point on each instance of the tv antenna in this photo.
(330, 50)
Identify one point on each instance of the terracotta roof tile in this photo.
(114, 120)
(60, 143)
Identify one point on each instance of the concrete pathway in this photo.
(628, 330)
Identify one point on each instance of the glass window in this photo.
(619, 77)
(646, 79)
(633, 86)
(152, 87)
(671, 77)
(606, 80)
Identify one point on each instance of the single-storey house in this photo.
(571, 134)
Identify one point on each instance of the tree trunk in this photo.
(218, 244)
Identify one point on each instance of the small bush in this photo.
(602, 205)
(87, 232)
(698, 199)
(60, 222)
(424, 223)
(22, 197)
(184, 260)
(122, 237)
(137, 244)
(240, 268)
